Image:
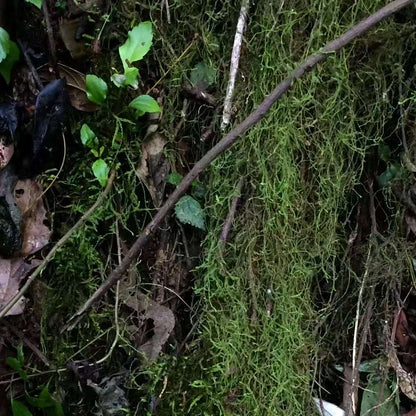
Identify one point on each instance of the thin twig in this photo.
(172, 65)
(227, 141)
(116, 323)
(27, 342)
(51, 38)
(355, 351)
(29, 63)
(57, 246)
(351, 400)
(230, 217)
(235, 59)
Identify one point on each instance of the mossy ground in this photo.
(255, 348)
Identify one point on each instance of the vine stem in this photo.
(226, 142)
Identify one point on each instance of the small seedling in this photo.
(96, 89)
(138, 43)
(99, 167)
(18, 363)
(45, 401)
(9, 54)
(101, 170)
(145, 104)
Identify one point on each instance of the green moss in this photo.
(255, 344)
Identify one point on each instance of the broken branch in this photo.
(227, 141)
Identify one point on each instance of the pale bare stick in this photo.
(226, 142)
(235, 60)
(57, 246)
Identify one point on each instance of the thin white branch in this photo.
(235, 59)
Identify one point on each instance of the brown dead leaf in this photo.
(411, 223)
(91, 6)
(411, 413)
(34, 230)
(6, 153)
(68, 29)
(402, 337)
(12, 272)
(163, 323)
(153, 167)
(76, 85)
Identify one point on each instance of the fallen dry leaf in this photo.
(411, 413)
(6, 153)
(68, 29)
(12, 272)
(402, 337)
(163, 322)
(153, 167)
(34, 230)
(91, 6)
(411, 224)
(76, 86)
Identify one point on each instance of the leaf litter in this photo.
(153, 167)
(35, 235)
(161, 317)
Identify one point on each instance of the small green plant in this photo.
(96, 89)
(188, 210)
(138, 43)
(9, 54)
(45, 401)
(145, 104)
(101, 170)
(17, 363)
(99, 167)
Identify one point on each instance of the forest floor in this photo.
(314, 289)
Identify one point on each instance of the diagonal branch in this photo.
(226, 142)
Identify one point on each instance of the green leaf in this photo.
(20, 355)
(131, 75)
(189, 211)
(138, 43)
(14, 363)
(4, 44)
(47, 402)
(96, 89)
(88, 137)
(128, 78)
(174, 178)
(37, 3)
(100, 170)
(145, 104)
(392, 172)
(19, 409)
(374, 401)
(198, 189)
(203, 75)
(6, 65)
(384, 152)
